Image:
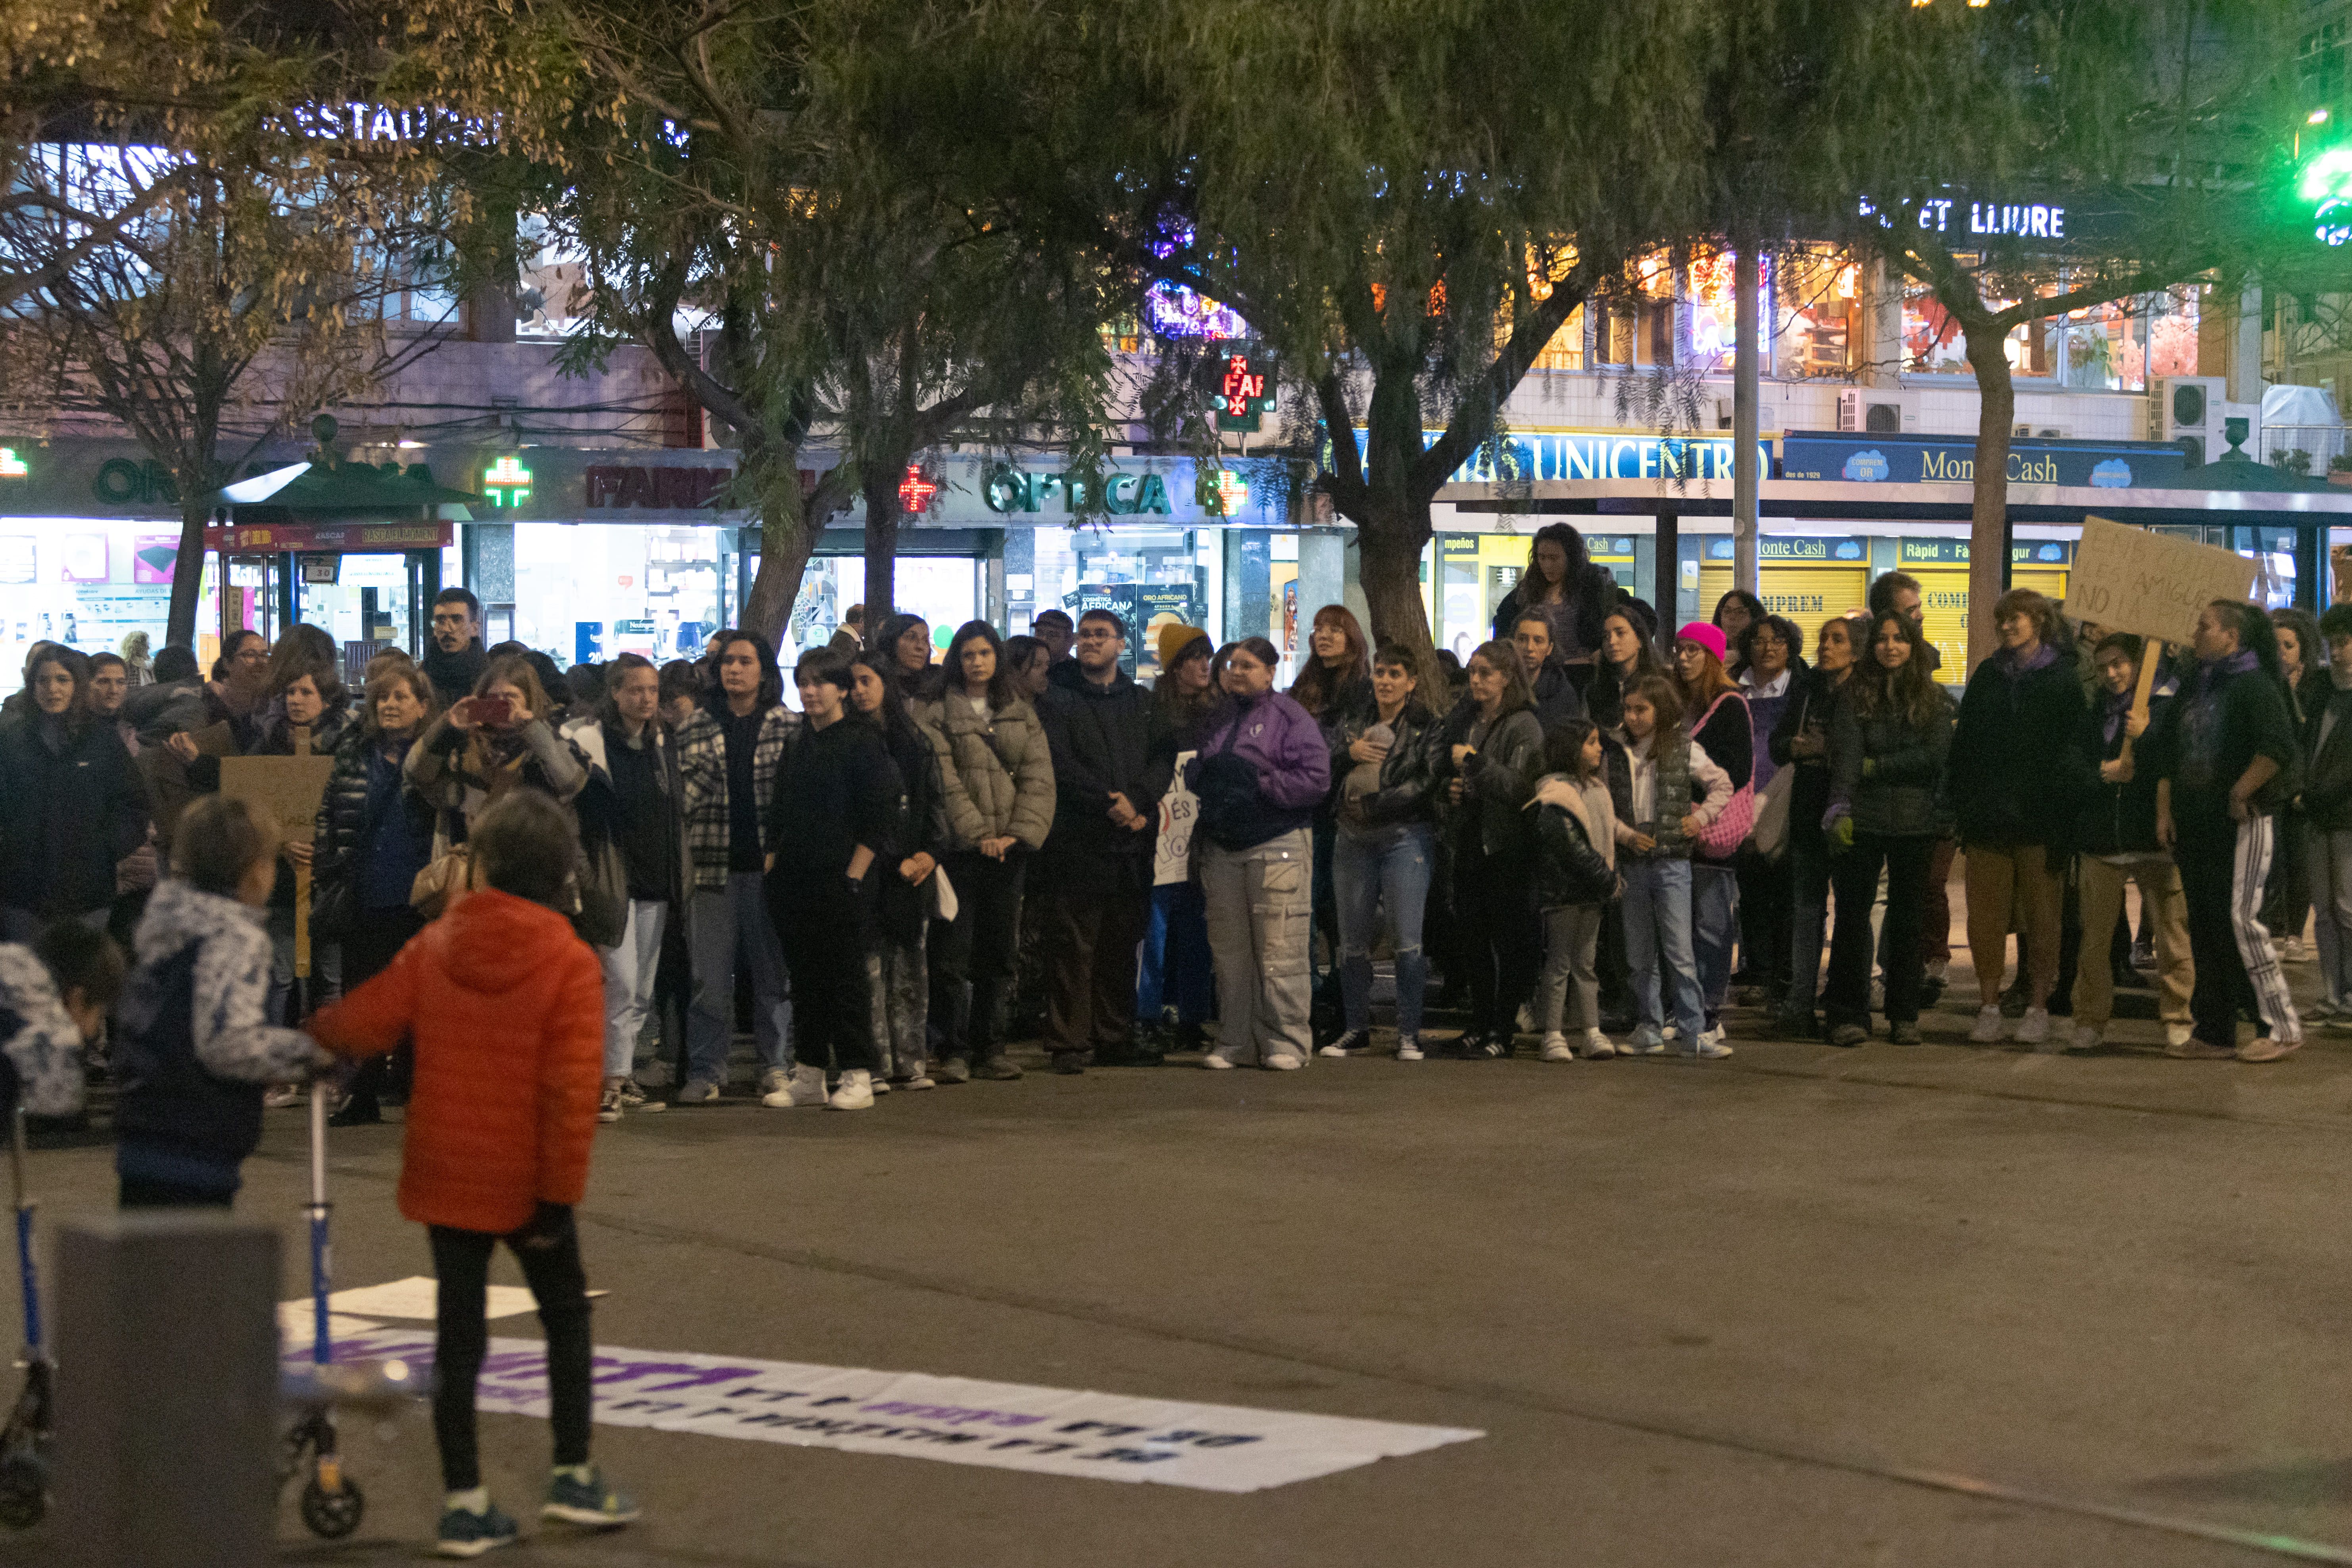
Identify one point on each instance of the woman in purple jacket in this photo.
(1262, 768)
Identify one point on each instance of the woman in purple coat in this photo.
(1264, 767)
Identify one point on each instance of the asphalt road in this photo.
(1949, 1305)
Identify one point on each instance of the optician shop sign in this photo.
(1884, 458)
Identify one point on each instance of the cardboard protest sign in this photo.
(1179, 809)
(286, 790)
(2151, 585)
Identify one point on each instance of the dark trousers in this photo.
(973, 956)
(1498, 921)
(1767, 893)
(2219, 885)
(825, 936)
(135, 1192)
(1808, 909)
(1612, 964)
(1855, 873)
(461, 1262)
(1095, 915)
(1327, 1006)
(375, 940)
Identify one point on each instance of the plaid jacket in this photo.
(702, 765)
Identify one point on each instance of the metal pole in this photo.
(1669, 573)
(1745, 469)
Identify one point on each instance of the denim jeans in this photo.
(728, 928)
(2329, 857)
(1176, 968)
(1658, 945)
(1715, 930)
(630, 965)
(1260, 902)
(1809, 871)
(1391, 867)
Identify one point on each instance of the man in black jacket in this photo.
(455, 660)
(1096, 867)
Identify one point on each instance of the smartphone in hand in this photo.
(489, 712)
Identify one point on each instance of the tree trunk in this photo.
(1390, 542)
(188, 571)
(1989, 528)
(881, 490)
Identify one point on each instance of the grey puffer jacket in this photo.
(996, 772)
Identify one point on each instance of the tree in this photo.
(801, 210)
(189, 250)
(1406, 243)
(2168, 113)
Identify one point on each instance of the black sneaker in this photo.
(953, 1069)
(998, 1069)
(1349, 1044)
(1069, 1064)
(465, 1533)
(1795, 1026)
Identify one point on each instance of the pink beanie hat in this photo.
(1706, 635)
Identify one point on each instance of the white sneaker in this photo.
(2179, 1033)
(1597, 1046)
(2034, 1027)
(1711, 1045)
(856, 1093)
(284, 1094)
(1216, 1062)
(773, 1081)
(803, 1085)
(1409, 1048)
(1555, 1049)
(1285, 1063)
(2086, 1038)
(2293, 953)
(1647, 1041)
(1990, 1026)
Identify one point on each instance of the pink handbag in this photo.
(1719, 839)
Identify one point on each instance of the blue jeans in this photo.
(1390, 866)
(1715, 930)
(1808, 868)
(727, 928)
(1658, 934)
(1176, 964)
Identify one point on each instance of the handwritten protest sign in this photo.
(2152, 584)
(1005, 1426)
(287, 791)
(1179, 809)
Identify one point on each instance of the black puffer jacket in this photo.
(342, 826)
(71, 806)
(2016, 771)
(1569, 869)
(1813, 703)
(1408, 781)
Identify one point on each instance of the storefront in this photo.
(1807, 578)
(1477, 571)
(1941, 565)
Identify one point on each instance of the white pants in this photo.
(630, 966)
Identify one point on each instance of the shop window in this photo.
(1816, 304)
(2117, 346)
(1933, 342)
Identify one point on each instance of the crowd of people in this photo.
(1592, 835)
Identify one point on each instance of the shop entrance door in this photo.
(367, 603)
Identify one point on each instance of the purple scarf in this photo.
(2238, 663)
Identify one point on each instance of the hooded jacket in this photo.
(1576, 842)
(1264, 767)
(1101, 741)
(505, 1007)
(40, 1048)
(196, 1049)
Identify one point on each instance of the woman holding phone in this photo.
(492, 742)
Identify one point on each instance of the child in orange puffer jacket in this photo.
(505, 1007)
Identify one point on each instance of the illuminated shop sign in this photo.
(1955, 553)
(1010, 489)
(1532, 457)
(1790, 550)
(506, 483)
(12, 467)
(1946, 215)
(1884, 459)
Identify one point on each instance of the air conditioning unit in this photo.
(1877, 411)
(2187, 411)
(2041, 430)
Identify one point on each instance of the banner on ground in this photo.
(964, 1421)
(2151, 585)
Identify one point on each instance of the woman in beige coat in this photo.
(997, 781)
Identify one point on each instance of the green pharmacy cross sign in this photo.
(2326, 187)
